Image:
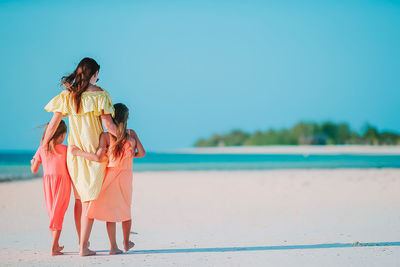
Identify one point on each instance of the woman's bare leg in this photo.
(77, 217)
(111, 230)
(55, 247)
(126, 229)
(86, 228)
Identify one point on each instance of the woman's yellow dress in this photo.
(84, 131)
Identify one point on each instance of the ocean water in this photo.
(15, 165)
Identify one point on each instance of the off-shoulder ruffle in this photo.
(94, 101)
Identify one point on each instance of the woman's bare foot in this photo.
(56, 253)
(87, 252)
(128, 246)
(88, 243)
(115, 251)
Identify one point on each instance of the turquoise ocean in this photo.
(15, 165)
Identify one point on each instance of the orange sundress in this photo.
(56, 183)
(114, 201)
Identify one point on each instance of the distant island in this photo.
(304, 133)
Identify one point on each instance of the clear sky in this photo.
(188, 69)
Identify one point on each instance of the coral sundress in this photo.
(56, 183)
(114, 201)
(84, 131)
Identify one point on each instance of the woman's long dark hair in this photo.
(78, 81)
(120, 119)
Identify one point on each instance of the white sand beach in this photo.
(218, 209)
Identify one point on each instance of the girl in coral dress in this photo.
(56, 182)
(114, 201)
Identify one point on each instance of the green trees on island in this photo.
(304, 133)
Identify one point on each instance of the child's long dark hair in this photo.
(78, 81)
(120, 120)
(61, 129)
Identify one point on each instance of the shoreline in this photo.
(296, 150)
(270, 149)
(211, 171)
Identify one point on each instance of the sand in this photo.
(215, 210)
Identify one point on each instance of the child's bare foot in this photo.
(59, 248)
(115, 251)
(87, 252)
(128, 246)
(56, 253)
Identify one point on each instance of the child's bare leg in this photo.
(77, 217)
(126, 229)
(86, 228)
(55, 247)
(111, 230)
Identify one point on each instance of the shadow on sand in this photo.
(285, 247)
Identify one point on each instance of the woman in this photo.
(88, 107)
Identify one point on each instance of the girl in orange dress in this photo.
(114, 201)
(56, 182)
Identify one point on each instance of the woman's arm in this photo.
(52, 127)
(100, 153)
(109, 124)
(139, 147)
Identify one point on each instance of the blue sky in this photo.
(188, 69)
